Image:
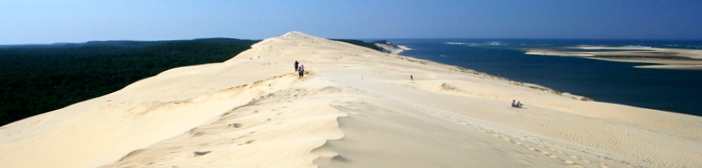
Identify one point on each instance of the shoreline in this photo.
(392, 48)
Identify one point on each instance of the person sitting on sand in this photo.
(519, 104)
(513, 104)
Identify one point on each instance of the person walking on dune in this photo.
(301, 71)
(296, 63)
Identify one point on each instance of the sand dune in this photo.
(355, 107)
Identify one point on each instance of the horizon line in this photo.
(400, 38)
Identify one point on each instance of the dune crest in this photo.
(355, 107)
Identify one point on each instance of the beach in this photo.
(354, 107)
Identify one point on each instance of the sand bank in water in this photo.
(667, 58)
(355, 107)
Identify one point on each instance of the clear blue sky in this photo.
(49, 21)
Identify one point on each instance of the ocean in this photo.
(677, 91)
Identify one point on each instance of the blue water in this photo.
(670, 90)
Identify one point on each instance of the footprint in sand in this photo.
(198, 153)
(235, 125)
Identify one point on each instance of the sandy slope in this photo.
(355, 108)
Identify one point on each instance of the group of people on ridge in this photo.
(300, 70)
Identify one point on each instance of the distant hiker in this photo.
(296, 63)
(411, 77)
(301, 71)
